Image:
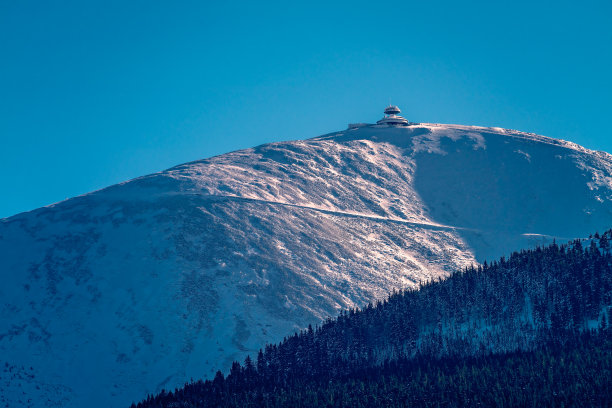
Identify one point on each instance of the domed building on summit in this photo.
(392, 117)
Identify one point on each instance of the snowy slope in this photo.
(122, 292)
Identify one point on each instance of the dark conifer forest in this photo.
(529, 330)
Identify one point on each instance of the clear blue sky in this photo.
(97, 92)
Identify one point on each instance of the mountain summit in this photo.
(161, 278)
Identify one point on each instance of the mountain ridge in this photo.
(207, 261)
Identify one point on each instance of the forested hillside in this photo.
(536, 322)
(578, 373)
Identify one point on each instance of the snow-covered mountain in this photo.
(124, 291)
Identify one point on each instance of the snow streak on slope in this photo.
(119, 293)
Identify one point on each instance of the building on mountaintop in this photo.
(392, 117)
